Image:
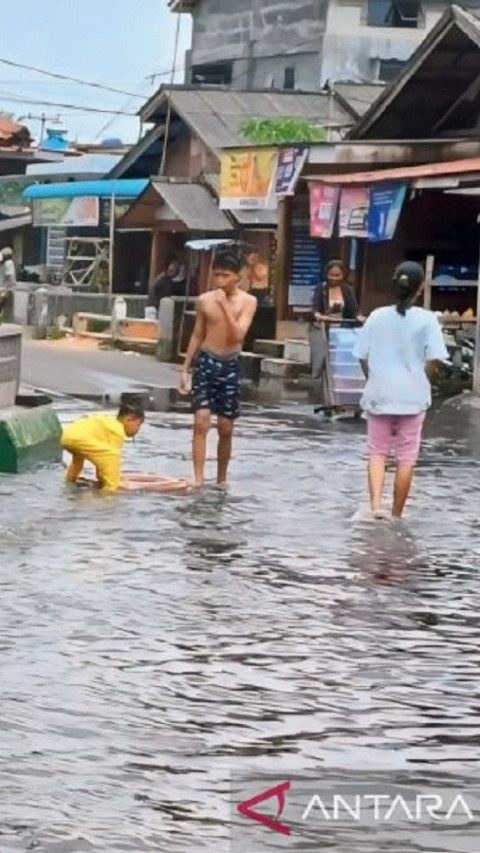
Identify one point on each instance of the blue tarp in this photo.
(76, 189)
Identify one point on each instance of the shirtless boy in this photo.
(224, 316)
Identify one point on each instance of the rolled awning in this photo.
(440, 174)
(78, 189)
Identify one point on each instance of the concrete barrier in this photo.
(28, 437)
(31, 300)
(10, 363)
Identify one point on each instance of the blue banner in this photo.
(386, 202)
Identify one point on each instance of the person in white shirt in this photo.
(398, 348)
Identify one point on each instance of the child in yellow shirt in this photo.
(99, 439)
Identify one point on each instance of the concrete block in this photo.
(28, 437)
(91, 325)
(268, 348)
(132, 329)
(297, 350)
(10, 360)
(283, 369)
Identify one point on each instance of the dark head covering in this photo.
(408, 278)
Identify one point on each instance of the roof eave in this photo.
(449, 19)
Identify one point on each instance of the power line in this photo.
(66, 77)
(6, 96)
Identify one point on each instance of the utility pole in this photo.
(43, 120)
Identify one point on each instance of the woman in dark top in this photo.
(335, 299)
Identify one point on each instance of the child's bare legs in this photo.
(376, 481)
(225, 434)
(150, 483)
(408, 440)
(403, 484)
(201, 427)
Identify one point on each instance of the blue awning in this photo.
(76, 189)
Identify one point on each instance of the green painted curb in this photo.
(28, 437)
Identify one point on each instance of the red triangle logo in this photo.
(278, 792)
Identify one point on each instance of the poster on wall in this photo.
(81, 212)
(247, 179)
(354, 205)
(386, 201)
(323, 210)
(290, 162)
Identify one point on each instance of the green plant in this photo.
(98, 326)
(56, 334)
(281, 131)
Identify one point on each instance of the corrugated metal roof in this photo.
(359, 97)
(99, 164)
(188, 201)
(216, 114)
(444, 65)
(452, 168)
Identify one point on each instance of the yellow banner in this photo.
(248, 178)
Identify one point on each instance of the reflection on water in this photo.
(152, 646)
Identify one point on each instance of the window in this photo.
(216, 74)
(393, 13)
(389, 69)
(289, 78)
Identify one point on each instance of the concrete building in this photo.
(305, 43)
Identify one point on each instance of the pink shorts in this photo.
(400, 435)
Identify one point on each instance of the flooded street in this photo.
(155, 648)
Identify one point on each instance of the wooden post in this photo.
(283, 259)
(154, 256)
(476, 356)
(427, 291)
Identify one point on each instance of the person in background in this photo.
(334, 299)
(99, 439)
(167, 284)
(398, 347)
(8, 280)
(9, 275)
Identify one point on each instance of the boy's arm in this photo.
(238, 328)
(75, 468)
(198, 336)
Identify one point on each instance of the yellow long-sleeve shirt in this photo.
(99, 439)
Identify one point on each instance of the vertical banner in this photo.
(354, 205)
(247, 179)
(386, 201)
(290, 162)
(323, 210)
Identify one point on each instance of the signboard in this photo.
(306, 264)
(354, 205)
(247, 179)
(290, 162)
(386, 202)
(323, 210)
(82, 212)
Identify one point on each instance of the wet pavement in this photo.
(154, 649)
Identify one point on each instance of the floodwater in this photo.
(155, 649)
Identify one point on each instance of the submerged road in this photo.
(155, 650)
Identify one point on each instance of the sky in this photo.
(118, 43)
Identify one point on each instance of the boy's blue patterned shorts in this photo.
(216, 385)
